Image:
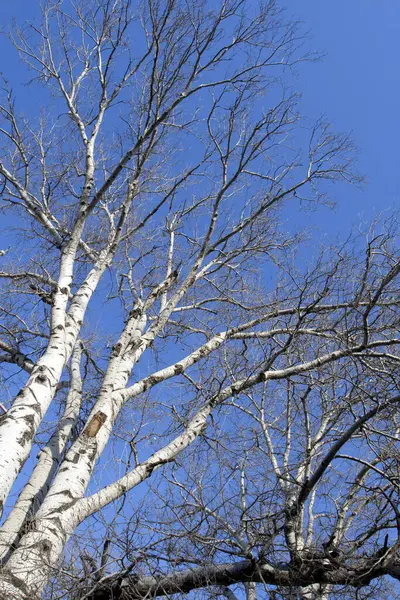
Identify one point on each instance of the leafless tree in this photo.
(169, 328)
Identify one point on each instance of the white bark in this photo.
(48, 461)
(22, 420)
(251, 591)
(18, 427)
(315, 592)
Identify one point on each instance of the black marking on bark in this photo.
(136, 345)
(45, 547)
(64, 290)
(29, 525)
(53, 530)
(24, 438)
(178, 369)
(68, 493)
(56, 519)
(37, 404)
(135, 312)
(15, 581)
(150, 467)
(42, 379)
(74, 459)
(93, 451)
(116, 350)
(27, 435)
(203, 429)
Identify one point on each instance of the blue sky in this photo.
(356, 86)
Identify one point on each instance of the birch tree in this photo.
(205, 404)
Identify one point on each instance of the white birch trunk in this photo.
(19, 425)
(48, 461)
(315, 592)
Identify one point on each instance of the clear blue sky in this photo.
(356, 86)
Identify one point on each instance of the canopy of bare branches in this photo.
(208, 399)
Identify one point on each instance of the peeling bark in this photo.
(95, 423)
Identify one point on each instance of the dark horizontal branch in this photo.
(319, 570)
(132, 587)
